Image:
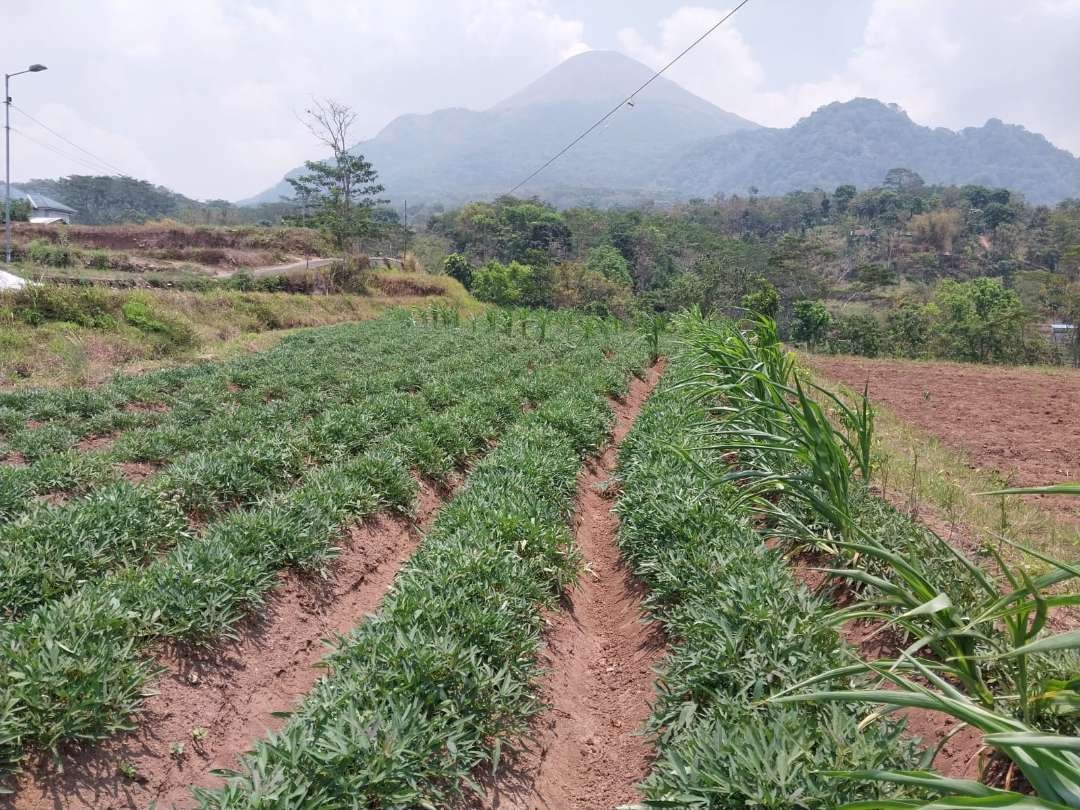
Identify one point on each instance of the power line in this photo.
(61, 153)
(630, 98)
(96, 158)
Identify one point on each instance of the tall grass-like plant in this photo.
(983, 656)
(784, 440)
(1049, 762)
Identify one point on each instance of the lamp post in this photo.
(7, 155)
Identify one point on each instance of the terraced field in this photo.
(544, 584)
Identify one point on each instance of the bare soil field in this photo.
(1023, 423)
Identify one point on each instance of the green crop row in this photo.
(255, 451)
(427, 691)
(202, 410)
(741, 629)
(74, 669)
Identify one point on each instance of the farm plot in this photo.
(771, 695)
(258, 465)
(427, 693)
(1023, 424)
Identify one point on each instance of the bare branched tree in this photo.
(330, 121)
(344, 188)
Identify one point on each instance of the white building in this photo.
(47, 211)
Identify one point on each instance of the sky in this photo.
(204, 96)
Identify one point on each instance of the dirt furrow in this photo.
(210, 708)
(586, 750)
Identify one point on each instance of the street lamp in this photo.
(7, 155)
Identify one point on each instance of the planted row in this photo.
(54, 550)
(430, 689)
(741, 630)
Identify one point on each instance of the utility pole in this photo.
(7, 156)
(405, 235)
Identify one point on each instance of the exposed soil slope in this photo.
(587, 751)
(232, 692)
(1021, 422)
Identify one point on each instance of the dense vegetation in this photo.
(904, 269)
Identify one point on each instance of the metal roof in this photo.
(40, 201)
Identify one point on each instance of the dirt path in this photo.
(232, 692)
(301, 264)
(587, 751)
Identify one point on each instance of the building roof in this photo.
(40, 201)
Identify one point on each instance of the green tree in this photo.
(842, 198)
(810, 324)
(343, 189)
(610, 263)
(979, 320)
(513, 284)
(457, 267)
(763, 298)
(20, 211)
(906, 330)
(1070, 262)
(901, 179)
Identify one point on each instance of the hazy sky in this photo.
(201, 95)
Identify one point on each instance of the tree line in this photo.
(902, 269)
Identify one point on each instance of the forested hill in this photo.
(857, 142)
(672, 145)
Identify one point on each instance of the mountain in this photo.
(858, 141)
(456, 154)
(673, 145)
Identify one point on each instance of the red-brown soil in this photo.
(232, 691)
(421, 285)
(137, 471)
(586, 749)
(1022, 423)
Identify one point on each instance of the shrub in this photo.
(857, 334)
(513, 284)
(457, 267)
(98, 259)
(85, 306)
(577, 287)
(172, 333)
(41, 251)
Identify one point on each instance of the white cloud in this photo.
(201, 94)
(951, 64)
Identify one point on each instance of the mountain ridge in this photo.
(675, 145)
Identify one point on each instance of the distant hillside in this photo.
(455, 154)
(105, 199)
(857, 142)
(674, 145)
